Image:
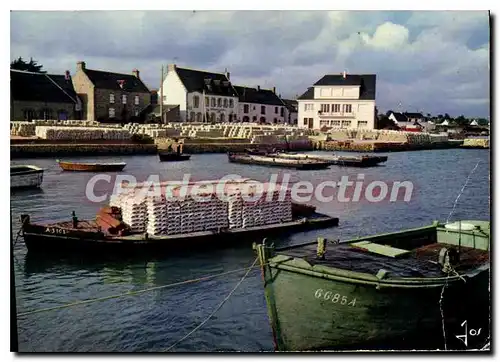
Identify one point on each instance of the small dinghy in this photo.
(25, 177)
(91, 167)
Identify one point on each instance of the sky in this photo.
(427, 61)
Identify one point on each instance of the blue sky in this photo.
(430, 61)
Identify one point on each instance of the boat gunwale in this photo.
(372, 280)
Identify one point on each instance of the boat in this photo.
(25, 177)
(89, 236)
(269, 160)
(173, 156)
(348, 161)
(92, 167)
(423, 288)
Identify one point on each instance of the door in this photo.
(311, 123)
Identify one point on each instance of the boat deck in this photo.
(420, 262)
(83, 225)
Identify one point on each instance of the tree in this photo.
(31, 66)
(447, 116)
(429, 115)
(385, 122)
(461, 120)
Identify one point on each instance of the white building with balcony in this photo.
(201, 96)
(344, 101)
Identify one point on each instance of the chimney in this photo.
(171, 67)
(258, 88)
(227, 74)
(67, 75)
(274, 90)
(135, 72)
(344, 74)
(80, 65)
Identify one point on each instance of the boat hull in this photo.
(254, 160)
(315, 313)
(173, 157)
(92, 167)
(346, 161)
(46, 239)
(25, 177)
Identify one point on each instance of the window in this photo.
(262, 109)
(213, 102)
(306, 121)
(275, 120)
(245, 108)
(308, 107)
(231, 103)
(62, 115)
(335, 123)
(346, 124)
(136, 112)
(124, 99)
(282, 112)
(164, 98)
(335, 108)
(196, 101)
(325, 108)
(254, 118)
(225, 103)
(207, 102)
(136, 100)
(348, 108)
(111, 98)
(111, 113)
(362, 124)
(29, 114)
(323, 123)
(46, 114)
(219, 102)
(276, 110)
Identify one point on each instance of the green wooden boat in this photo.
(415, 289)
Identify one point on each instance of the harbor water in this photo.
(155, 320)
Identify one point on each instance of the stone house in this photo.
(42, 96)
(260, 105)
(111, 97)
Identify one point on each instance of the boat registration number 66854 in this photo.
(334, 297)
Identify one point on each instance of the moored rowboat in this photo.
(91, 167)
(25, 176)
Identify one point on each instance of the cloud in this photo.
(437, 62)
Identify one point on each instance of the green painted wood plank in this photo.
(379, 249)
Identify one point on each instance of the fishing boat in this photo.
(269, 160)
(82, 236)
(25, 177)
(173, 156)
(92, 167)
(422, 288)
(348, 161)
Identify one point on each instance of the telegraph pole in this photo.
(161, 95)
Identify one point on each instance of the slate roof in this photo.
(208, 82)
(308, 94)
(259, 96)
(111, 81)
(400, 117)
(291, 104)
(41, 87)
(367, 83)
(414, 115)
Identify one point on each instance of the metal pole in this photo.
(161, 95)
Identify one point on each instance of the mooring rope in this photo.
(442, 314)
(216, 309)
(462, 191)
(130, 293)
